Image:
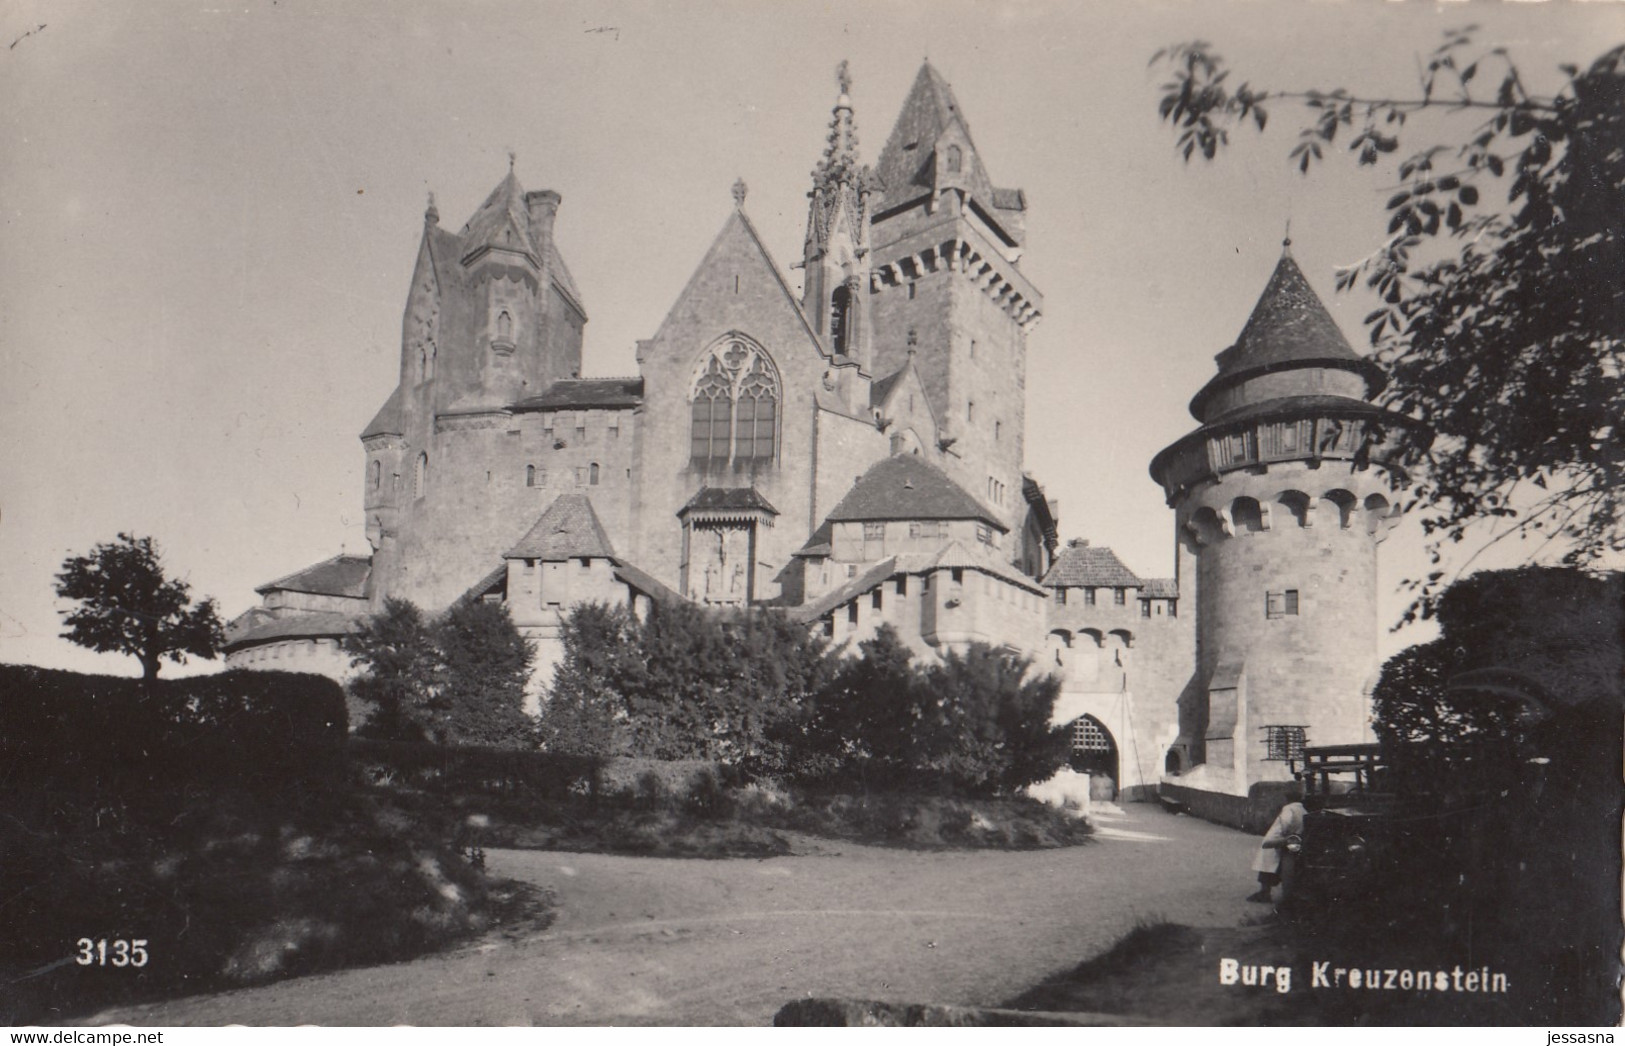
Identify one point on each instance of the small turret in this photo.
(836, 252)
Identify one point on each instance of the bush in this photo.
(757, 693)
(685, 683)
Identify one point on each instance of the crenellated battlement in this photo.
(982, 266)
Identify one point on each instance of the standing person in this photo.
(1273, 859)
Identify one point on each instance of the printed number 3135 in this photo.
(111, 953)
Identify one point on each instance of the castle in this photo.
(852, 453)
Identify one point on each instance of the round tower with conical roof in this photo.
(1281, 498)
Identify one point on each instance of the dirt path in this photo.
(688, 942)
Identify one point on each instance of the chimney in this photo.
(543, 207)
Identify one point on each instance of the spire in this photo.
(432, 214)
(839, 164)
(739, 191)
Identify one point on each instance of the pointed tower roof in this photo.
(569, 529)
(502, 221)
(905, 168)
(1289, 329)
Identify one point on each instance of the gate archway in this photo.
(1094, 752)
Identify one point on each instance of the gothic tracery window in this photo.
(735, 407)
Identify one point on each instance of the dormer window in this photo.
(954, 159)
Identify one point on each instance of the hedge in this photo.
(246, 729)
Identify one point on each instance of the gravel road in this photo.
(693, 942)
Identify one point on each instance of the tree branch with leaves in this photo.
(128, 606)
(1500, 279)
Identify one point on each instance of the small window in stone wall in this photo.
(902, 584)
(1283, 743)
(592, 474)
(1060, 597)
(875, 600)
(852, 614)
(1281, 604)
(1119, 597)
(984, 533)
(874, 531)
(1088, 597)
(1145, 608)
(530, 475)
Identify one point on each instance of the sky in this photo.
(211, 211)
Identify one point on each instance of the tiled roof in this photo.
(906, 486)
(1289, 326)
(953, 555)
(851, 590)
(388, 421)
(577, 393)
(569, 529)
(646, 583)
(502, 213)
(314, 625)
(730, 499)
(340, 576)
(906, 165)
(882, 388)
(1160, 588)
(1289, 405)
(1094, 566)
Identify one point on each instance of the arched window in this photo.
(420, 475)
(428, 361)
(504, 326)
(592, 475)
(735, 407)
(377, 473)
(758, 414)
(955, 159)
(713, 404)
(840, 306)
(530, 475)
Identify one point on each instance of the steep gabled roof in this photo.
(1289, 328)
(502, 221)
(340, 576)
(736, 225)
(906, 486)
(905, 168)
(569, 529)
(1093, 566)
(577, 393)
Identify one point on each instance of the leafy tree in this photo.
(127, 606)
(584, 711)
(1502, 312)
(394, 650)
(990, 730)
(483, 666)
(459, 679)
(1558, 629)
(868, 718)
